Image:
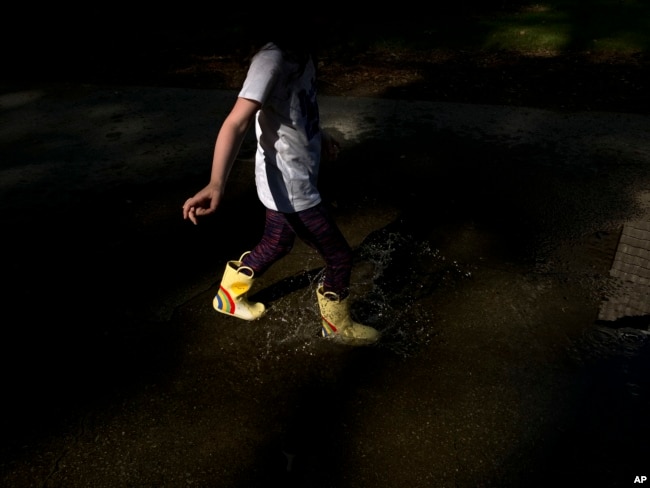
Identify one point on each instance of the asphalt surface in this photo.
(484, 239)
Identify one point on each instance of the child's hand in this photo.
(203, 203)
(330, 147)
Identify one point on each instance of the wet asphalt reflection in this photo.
(482, 257)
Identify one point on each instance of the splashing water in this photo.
(407, 273)
(394, 277)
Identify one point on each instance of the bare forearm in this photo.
(226, 148)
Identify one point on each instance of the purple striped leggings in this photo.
(318, 230)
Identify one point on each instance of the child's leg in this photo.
(277, 241)
(317, 228)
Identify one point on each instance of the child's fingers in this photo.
(192, 215)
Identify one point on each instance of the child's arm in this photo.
(229, 141)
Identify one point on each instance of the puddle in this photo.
(393, 275)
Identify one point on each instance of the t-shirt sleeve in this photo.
(262, 74)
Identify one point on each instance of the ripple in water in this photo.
(394, 279)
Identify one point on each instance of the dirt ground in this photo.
(207, 58)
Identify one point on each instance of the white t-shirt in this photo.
(288, 131)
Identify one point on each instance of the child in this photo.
(279, 97)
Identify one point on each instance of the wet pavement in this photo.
(484, 238)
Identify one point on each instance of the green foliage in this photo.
(547, 28)
(600, 25)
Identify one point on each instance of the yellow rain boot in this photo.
(337, 322)
(231, 298)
